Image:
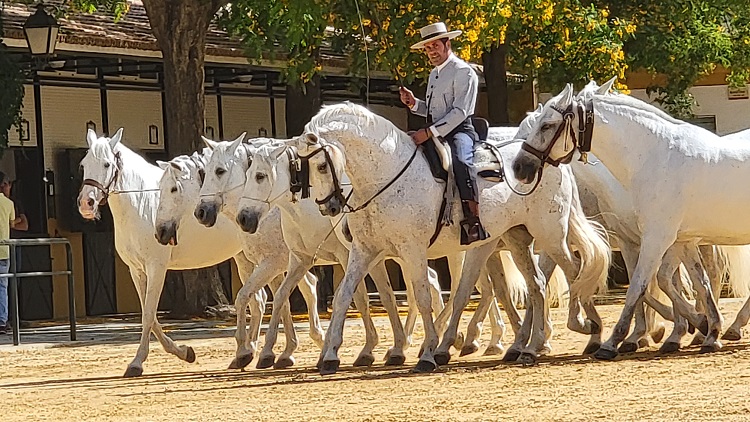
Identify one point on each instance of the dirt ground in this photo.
(81, 382)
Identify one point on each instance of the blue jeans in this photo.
(4, 264)
(464, 148)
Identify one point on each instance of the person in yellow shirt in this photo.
(7, 221)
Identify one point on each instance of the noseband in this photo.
(106, 189)
(581, 140)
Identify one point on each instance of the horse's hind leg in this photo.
(395, 355)
(361, 302)
(734, 332)
(308, 288)
(471, 344)
(703, 287)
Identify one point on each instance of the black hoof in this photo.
(711, 348)
(595, 328)
(731, 336)
(329, 367)
(424, 366)
(591, 348)
(241, 362)
(605, 354)
(395, 360)
(704, 326)
(284, 363)
(669, 347)
(511, 355)
(442, 358)
(133, 371)
(658, 335)
(469, 349)
(643, 342)
(691, 328)
(364, 360)
(527, 359)
(493, 351)
(628, 348)
(697, 340)
(190, 358)
(319, 364)
(266, 362)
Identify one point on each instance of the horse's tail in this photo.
(590, 239)
(734, 263)
(558, 293)
(514, 280)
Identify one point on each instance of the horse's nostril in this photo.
(91, 202)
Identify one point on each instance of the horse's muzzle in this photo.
(166, 234)
(206, 213)
(525, 167)
(331, 208)
(248, 220)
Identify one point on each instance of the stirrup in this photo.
(472, 231)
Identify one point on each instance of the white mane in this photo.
(348, 116)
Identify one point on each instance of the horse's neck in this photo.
(136, 174)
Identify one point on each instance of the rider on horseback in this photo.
(451, 98)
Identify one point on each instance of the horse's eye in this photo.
(220, 171)
(106, 165)
(322, 168)
(259, 177)
(547, 126)
(174, 189)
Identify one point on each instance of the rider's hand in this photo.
(407, 97)
(421, 136)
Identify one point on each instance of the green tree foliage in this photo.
(11, 93)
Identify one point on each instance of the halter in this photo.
(338, 192)
(299, 173)
(106, 189)
(582, 141)
(230, 166)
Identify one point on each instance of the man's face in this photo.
(5, 188)
(437, 51)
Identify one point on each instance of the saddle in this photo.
(439, 156)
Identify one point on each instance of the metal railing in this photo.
(13, 277)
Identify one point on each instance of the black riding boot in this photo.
(471, 228)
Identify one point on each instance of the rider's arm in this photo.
(464, 100)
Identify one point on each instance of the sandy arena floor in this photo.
(81, 382)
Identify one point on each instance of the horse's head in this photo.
(179, 186)
(326, 161)
(225, 173)
(267, 181)
(101, 169)
(553, 132)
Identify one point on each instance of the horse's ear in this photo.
(236, 143)
(607, 86)
(566, 96)
(90, 137)
(116, 139)
(175, 166)
(276, 153)
(311, 138)
(162, 165)
(209, 143)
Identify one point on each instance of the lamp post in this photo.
(40, 30)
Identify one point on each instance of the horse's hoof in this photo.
(133, 371)
(545, 350)
(732, 335)
(628, 348)
(511, 355)
(595, 328)
(527, 359)
(591, 348)
(266, 362)
(190, 358)
(658, 335)
(241, 362)
(458, 343)
(691, 328)
(395, 360)
(605, 354)
(329, 367)
(442, 358)
(364, 360)
(697, 340)
(711, 348)
(424, 366)
(284, 363)
(319, 363)
(669, 347)
(493, 351)
(704, 326)
(643, 342)
(468, 349)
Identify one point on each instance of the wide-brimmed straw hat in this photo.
(433, 32)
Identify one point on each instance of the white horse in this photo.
(179, 195)
(671, 168)
(396, 216)
(114, 173)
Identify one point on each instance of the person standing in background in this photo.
(8, 220)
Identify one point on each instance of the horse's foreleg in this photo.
(474, 329)
(734, 332)
(455, 266)
(309, 291)
(703, 287)
(502, 292)
(395, 355)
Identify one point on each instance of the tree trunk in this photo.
(495, 78)
(180, 28)
(301, 105)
